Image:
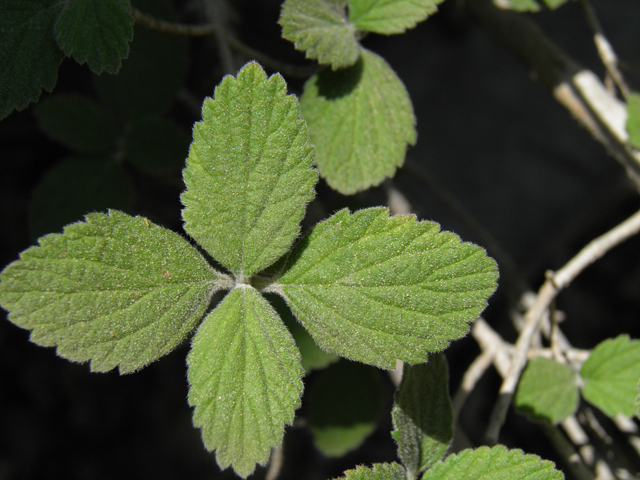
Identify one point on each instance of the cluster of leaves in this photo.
(422, 418)
(121, 291)
(127, 124)
(359, 113)
(609, 379)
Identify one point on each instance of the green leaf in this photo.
(633, 119)
(524, 5)
(156, 145)
(116, 290)
(345, 402)
(320, 28)
(245, 377)
(78, 122)
(390, 16)
(77, 186)
(374, 288)
(313, 357)
(379, 471)
(248, 174)
(360, 120)
(149, 80)
(422, 415)
(495, 463)
(96, 32)
(554, 3)
(611, 375)
(29, 56)
(547, 390)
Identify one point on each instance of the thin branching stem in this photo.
(547, 293)
(605, 50)
(174, 28)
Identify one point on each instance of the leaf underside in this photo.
(321, 29)
(611, 375)
(374, 288)
(248, 174)
(116, 290)
(245, 380)
(360, 121)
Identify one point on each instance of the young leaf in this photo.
(116, 290)
(422, 415)
(245, 377)
(547, 390)
(96, 32)
(374, 288)
(29, 56)
(248, 174)
(633, 119)
(390, 16)
(360, 120)
(379, 471)
(345, 403)
(611, 374)
(74, 187)
(495, 463)
(320, 28)
(79, 123)
(154, 71)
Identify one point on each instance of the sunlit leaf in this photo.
(248, 174)
(321, 29)
(360, 121)
(374, 288)
(116, 290)
(245, 377)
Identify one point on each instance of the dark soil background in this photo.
(488, 134)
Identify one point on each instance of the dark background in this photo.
(487, 134)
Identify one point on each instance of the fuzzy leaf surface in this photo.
(96, 32)
(245, 380)
(389, 17)
(374, 288)
(495, 463)
(611, 375)
(320, 28)
(379, 471)
(345, 404)
(633, 119)
(547, 390)
(360, 121)
(422, 414)
(78, 122)
(29, 55)
(248, 174)
(116, 290)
